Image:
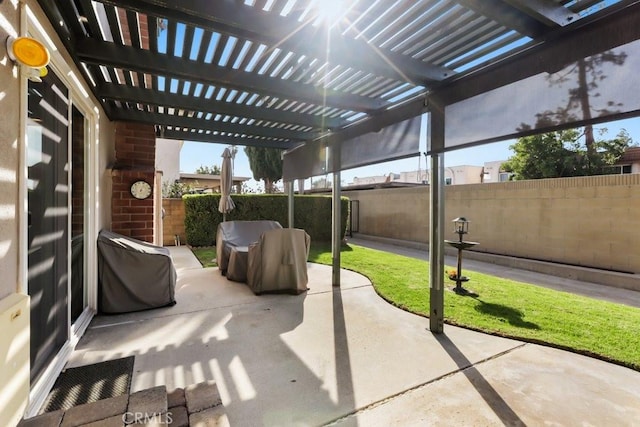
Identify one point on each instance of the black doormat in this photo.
(90, 383)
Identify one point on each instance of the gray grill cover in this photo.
(278, 262)
(133, 275)
(238, 233)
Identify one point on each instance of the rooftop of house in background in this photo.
(210, 183)
(472, 174)
(631, 155)
(454, 175)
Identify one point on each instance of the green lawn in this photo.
(206, 256)
(503, 307)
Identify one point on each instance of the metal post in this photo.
(435, 143)
(436, 245)
(289, 185)
(336, 216)
(458, 288)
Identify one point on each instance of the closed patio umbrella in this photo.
(226, 181)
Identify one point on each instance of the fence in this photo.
(586, 221)
(173, 221)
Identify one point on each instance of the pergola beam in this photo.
(565, 47)
(141, 60)
(245, 22)
(223, 139)
(546, 11)
(210, 125)
(507, 16)
(167, 99)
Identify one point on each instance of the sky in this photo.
(195, 154)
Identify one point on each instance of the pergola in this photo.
(314, 74)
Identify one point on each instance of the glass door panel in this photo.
(48, 192)
(78, 282)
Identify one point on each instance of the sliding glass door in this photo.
(48, 218)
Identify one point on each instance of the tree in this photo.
(542, 156)
(176, 189)
(564, 154)
(587, 73)
(209, 170)
(266, 165)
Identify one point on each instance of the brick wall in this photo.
(135, 160)
(143, 32)
(135, 146)
(130, 216)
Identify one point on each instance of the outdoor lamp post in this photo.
(460, 227)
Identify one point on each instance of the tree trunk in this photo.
(268, 185)
(583, 95)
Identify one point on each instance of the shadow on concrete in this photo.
(344, 375)
(482, 386)
(249, 345)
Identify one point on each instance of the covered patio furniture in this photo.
(133, 275)
(238, 235)
(278, 262)
(238, 264)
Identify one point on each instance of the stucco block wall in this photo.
(398, 213)
(587, 221)
(168, 159)
(173, 222)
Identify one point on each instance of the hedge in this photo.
(311, 213)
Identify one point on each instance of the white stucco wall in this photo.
(492, 171)
(12, 172)
(464, 174)
(168, 158)
(9, 153)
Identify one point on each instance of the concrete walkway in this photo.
(343, 356)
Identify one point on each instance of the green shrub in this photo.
(311, 213)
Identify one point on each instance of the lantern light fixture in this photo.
(461, 226)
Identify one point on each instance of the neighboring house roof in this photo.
(632, 155)
(209, 177)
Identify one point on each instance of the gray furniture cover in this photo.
(278, 262)
(133, 275)
(232, 234)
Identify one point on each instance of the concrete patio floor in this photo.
(344, 356)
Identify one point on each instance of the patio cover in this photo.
(279, 74)
(133, 275)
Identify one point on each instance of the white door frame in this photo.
(33, 22)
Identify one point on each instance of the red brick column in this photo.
(135, 160)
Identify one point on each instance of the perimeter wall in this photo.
(586, 221)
